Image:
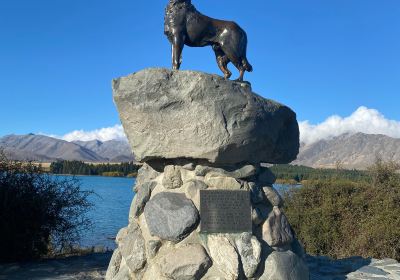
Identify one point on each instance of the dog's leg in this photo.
(240, 79)
(222, 61)
(177, 47)
(240, 67)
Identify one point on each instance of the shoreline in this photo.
(72, 175)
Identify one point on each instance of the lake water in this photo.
(111, 208)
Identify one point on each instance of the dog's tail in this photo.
(247, 66)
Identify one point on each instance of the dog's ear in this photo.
(181, 1)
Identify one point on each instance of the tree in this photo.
(38, 212)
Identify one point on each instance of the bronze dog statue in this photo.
(184, 25)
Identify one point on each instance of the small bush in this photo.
(342, 218)
(37, 213)
(113, 174)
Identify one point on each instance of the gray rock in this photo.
(145, 173)
(122, 233)
(273, 196)
(189, 166)
(224, 256)
(123, 274)
(285, 265)
(202, 170)
(242, 173)
(276, 230)
(213, 180)
(193, 187)
(152, 248)
(171, 216)
(172, 177)
(113, 267)
(372, 271)
(185, 114)
(189, 262)
(249, 250)
(141, 198)
(386, 262)
(132, 248)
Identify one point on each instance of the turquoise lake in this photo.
(112, 200)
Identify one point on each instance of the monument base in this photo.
(204, 207)
(201, 222)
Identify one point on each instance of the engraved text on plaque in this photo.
(225, 211)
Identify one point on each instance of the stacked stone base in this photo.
(163, 239)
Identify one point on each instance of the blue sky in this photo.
(322, 58)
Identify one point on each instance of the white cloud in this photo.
(102, 134)
(365, 120)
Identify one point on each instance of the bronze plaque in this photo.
(225, 211)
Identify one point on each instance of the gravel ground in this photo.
(93, 267)
(87, 267)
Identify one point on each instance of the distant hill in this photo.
(113, 150)
(350, 151)
(46, 149)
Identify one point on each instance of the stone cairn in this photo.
(193, 132)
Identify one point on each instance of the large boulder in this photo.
(142, 196)
(249, 249)
(185, 114)
(171, 216)
(224, 256)
(285, 265)
(189, 262)
(133, 241)
(276, 230)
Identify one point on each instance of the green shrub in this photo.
(132, 175)
(342, 218)
(113, 174)
(37, 212)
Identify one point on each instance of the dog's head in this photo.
(180, 1)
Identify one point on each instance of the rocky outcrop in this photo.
(196, 132)
(184, 114)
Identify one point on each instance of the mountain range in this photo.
(351, 151)
(47, 149)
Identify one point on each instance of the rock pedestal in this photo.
(197, 132)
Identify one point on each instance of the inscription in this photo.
(225, 211)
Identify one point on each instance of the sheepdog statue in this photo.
(184, 25)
